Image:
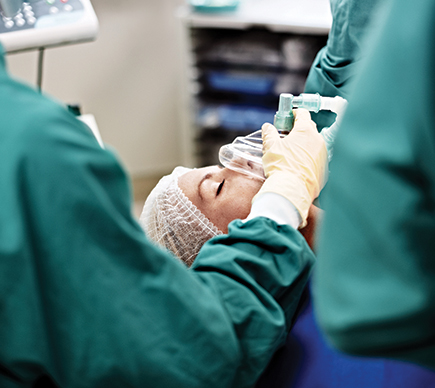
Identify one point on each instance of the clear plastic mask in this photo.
(244, 155)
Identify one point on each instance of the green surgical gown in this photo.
(375, 279)
(87, 301)
(335, 65)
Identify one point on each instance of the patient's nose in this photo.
(242, 165)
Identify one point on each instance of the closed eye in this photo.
(220, 187)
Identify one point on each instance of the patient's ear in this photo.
(315, 215)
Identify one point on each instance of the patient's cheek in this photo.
(236, 201)
(232, 211)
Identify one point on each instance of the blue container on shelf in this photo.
(238, 82)
(233, 117)
(211, 6)
(243, 118)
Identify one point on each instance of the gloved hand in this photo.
(296, 165)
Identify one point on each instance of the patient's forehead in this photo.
(192, 176)
(188, 182)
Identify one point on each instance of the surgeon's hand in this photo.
(296, 165)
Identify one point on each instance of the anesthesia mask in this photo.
(245, 153)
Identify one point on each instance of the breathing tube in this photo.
(245, 152)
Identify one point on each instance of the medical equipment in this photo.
(313, 102)
(245, 152)
(33, 24)
(39, 24)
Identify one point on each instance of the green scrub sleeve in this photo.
(374, 282)
(88, 301)
(259, 264)
(335, 65)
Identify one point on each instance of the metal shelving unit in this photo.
(235, 65)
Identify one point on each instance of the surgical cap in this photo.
(171, 220)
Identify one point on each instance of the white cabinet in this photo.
(235, 65)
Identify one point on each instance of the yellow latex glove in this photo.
(296, 165)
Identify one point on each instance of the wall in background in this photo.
(128, 78)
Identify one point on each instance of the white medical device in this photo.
(40, 24)
(36, 24)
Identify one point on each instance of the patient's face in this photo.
(224, 195)
(221, 194)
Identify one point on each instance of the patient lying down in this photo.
(190, 206)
